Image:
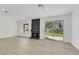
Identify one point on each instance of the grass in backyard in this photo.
(54, 34)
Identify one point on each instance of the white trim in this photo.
(75, 45)
(7, 36)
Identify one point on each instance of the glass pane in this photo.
(58, 30)
(54, 30)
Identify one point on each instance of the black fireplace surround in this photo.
(35, 31)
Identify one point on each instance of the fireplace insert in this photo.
(35, 29)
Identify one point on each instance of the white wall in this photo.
(67, 26)
(7, 27)
(75, 27)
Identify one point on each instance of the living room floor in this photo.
(27, 46)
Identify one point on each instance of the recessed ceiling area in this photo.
(19, 11)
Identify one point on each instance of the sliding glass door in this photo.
(54, 30)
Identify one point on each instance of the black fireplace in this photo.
(35, 30)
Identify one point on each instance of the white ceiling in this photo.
(19, 11)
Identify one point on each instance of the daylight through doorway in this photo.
(54, 30)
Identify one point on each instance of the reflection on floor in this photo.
(20, 45)
(54, 38)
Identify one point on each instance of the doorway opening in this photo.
(54, 30)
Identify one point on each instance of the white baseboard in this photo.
(1, 37)
(75, 45)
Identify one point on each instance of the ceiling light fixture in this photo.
(4, 10)
(40, 5)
